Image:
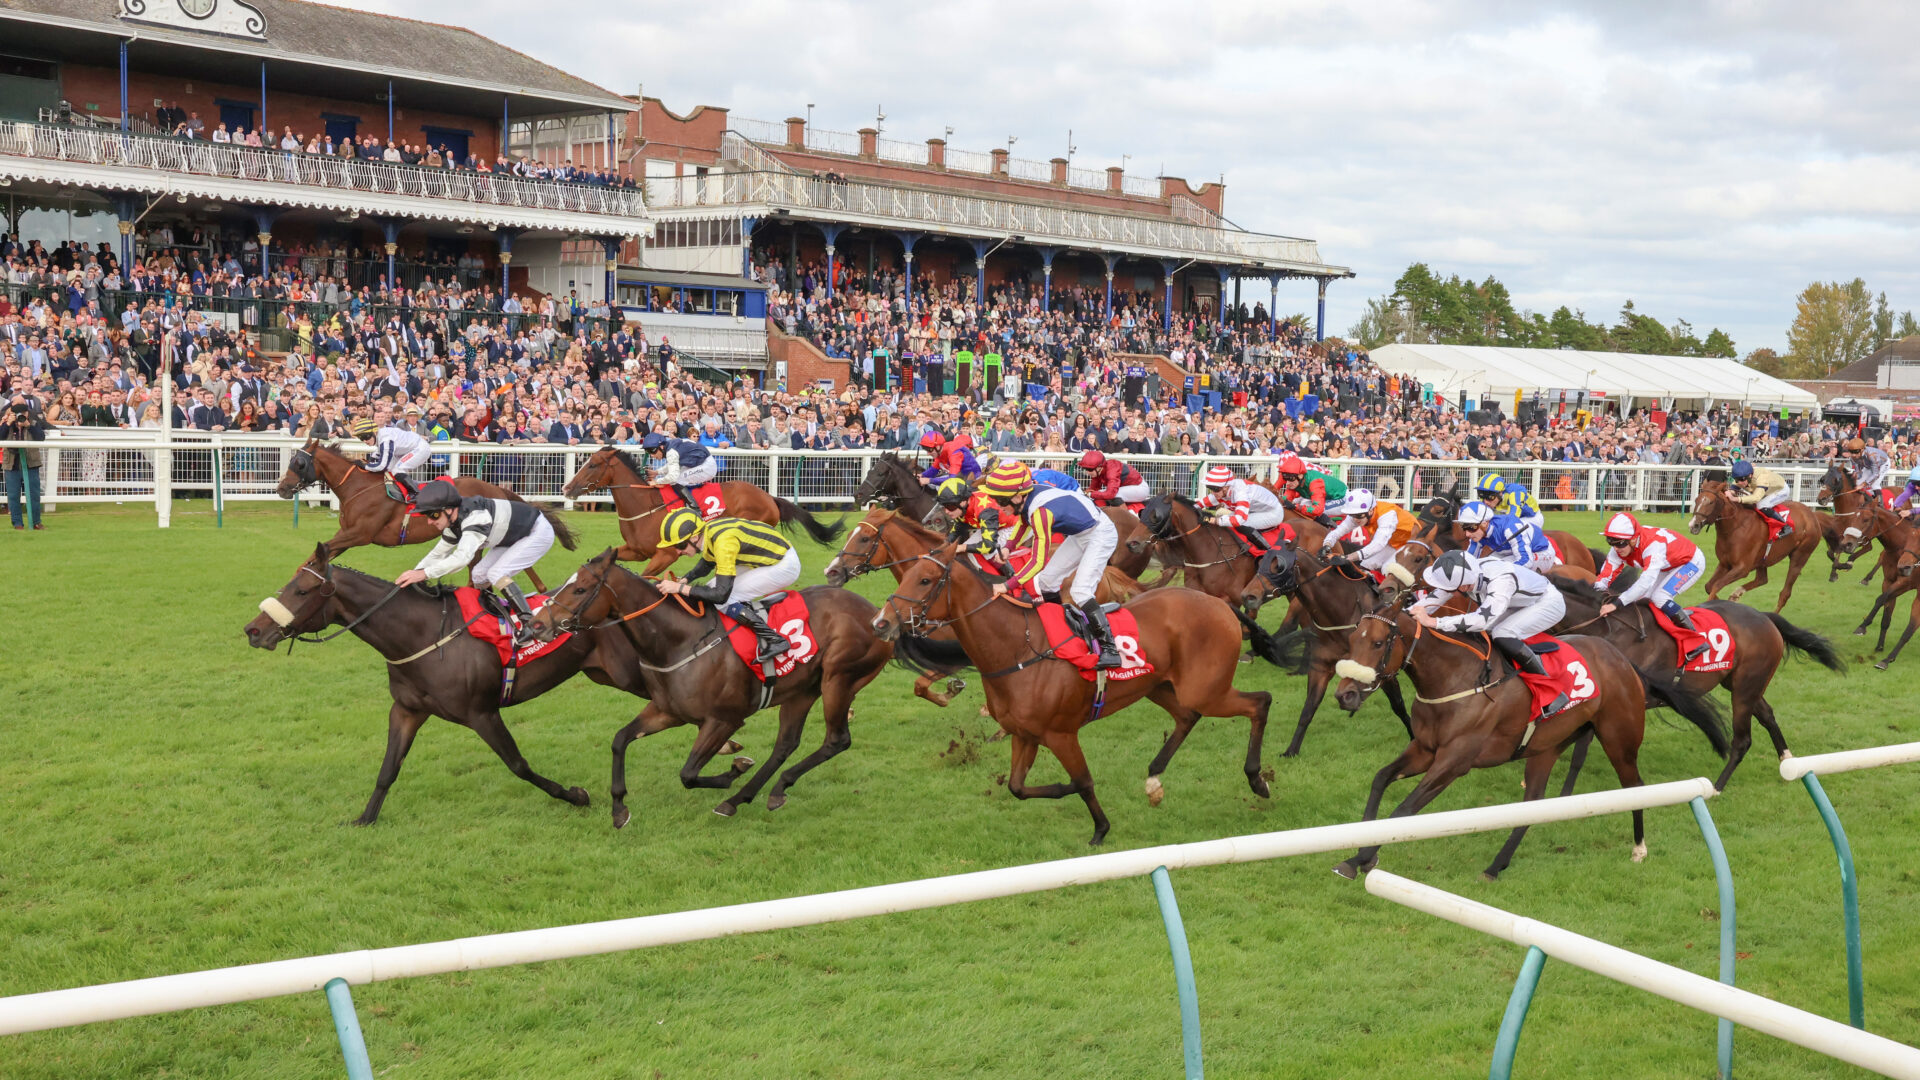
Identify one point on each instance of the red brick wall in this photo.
(668, 136)
(961, 183)
(805, 364)
(1211, 196)
(101, 86)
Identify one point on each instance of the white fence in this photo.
(108, 465)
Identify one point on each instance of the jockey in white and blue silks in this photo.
(1511, 497)
(1505, 537)
(684, 465)
(396, 450)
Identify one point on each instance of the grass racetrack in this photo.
(175, 800)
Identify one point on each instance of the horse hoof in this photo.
(361, 822)
(1098, 839)
(775, 802)
(578, 796)
(732, 747)
(1259, 785)
(725, 809)
(1785, 754)
(1290, 752)
(1860, 632)
(1639, 853)
(742, 763)
(621, 815)
(1156, 791)
(1490, 875)
(1882, 665)
(1348, 870)
(954, 686)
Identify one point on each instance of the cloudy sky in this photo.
(1706, 160)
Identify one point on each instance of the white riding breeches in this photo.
(411, 461)
(1262, 520)
(1084, 555)
(754, 582)
(1537, 617)
(1675, 579)
(1133, 493)
(1774, 499)
(1544, 561)
(1378, 561)
(499, 565)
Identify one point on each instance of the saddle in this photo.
(707, 498)
(1069, 638)
(399, 490)
(786, 612)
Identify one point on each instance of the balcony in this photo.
(112, 160)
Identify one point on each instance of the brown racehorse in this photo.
(697, 678)
(1740, 542)
(1214, 557)
(1759, 642)
(434, 668)
(889, 540)
(639, 505)
(1846, 526)
(1898, 537)
(1471, 712)
(1191, 639)
(1437, 526)
(369, 516)
(1903, 567)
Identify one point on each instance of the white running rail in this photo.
(1872, 757)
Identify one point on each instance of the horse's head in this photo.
(597, 473)
(1276, 574)
(1835, 482)
(1410, 562)
(581, 602)
(301, 472)
(867, 548)
(1375, 651)
(924, 594)
(1707, 506)
(881, 486)
(300, 607)
(1159, 516)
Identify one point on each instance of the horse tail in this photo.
(1702, 711)
(1599, 558)
(792, 513)
(1807, 643)
(1288, 651)
(927, 656)
(562, 531)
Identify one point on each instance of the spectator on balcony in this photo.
(221, 135)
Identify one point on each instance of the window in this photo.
(660, 297)
(700, 301)
(341, 128)
(21, 67)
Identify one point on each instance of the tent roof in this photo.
(1473, 369)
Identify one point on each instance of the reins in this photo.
(569, 621)
(329, 593)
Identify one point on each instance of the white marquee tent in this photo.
(1632, 380)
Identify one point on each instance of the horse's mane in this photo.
(1582, 593)
(625, 458)
(912, 527)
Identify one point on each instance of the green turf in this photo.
(175, 800)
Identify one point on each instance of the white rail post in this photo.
(163, 471)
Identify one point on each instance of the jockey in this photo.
(1054, 478)
(1764, 490)
(1510, 498)
(748, 560)
(948, 457)
(967, 517)
(1381, 527)
(1505, 537)
(1905, 502)
(1311, 490)
(1113, 480)
(1246, 508)
(514, 535)
(685, 466)
(1089, 539)
(1869, 465)
(1515, 604)
(396, 450)
(1668, 563)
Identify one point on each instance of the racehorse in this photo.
(1759, 643)
(890, 540)
(1898, 539)
(639, 506)
(369, 516)
(434, 667)
(1845, 527)
(696, 678)
(1192, 641)
(1437, 526)
(1471, 713)
(1740, 542)
(1331, 599)
(1904, 568)
(1215, 558)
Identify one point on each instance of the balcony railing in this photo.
(990, 216)
(54, 142)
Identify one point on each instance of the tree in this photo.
(1767, 362)
(1833, 325)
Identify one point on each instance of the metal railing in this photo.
(1147, 186)
(195, 157)
(844, 143)
(969, 161)
(1034, 172)
(1089, 179)
(765, 131)
(900, 150)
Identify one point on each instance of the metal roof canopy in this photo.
(1476, 370)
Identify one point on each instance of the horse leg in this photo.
(1446, 764)
(493, 731)
(1578, 759)
(1796, 563)
(836, 710)
(1886, 620)
(658, 563)
(1168, 698)
(1878, 602)
(402, 725)
(1742, 736)
(1913, 621)
(1764, 711)
(923, 688)
(651, 721)
(1623, 751)
(1759, 579)
(1539, 770)
(793, 720)
(1066, 746)
(1025, 748)
(713, 737)
(1399, 703)
(1317, 678)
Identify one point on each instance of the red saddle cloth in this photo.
(789, 617)
(1709, 629)
(1773, 527)
(1567, 673)
(706, 499)
(1071, 647)
(1558, 555)
(496, 631)
(1136, 507)
(408, 491)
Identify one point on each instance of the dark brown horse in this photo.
(640, 506)
(697, 678)
(1759, 641)
(1847, 524)
(1438, 527)
(369, 516)
(1471, 712)
(1191, 639)
(1330, 601)
(1215, 559)
(1740, 542)
(434, 667)
(1899, 540)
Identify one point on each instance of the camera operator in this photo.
(21, 422)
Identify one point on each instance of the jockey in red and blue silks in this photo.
(950, 457)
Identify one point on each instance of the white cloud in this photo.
(1705, 159)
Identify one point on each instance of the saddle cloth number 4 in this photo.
(795, 631)
(1583, 687)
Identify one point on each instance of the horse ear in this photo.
(321, 554)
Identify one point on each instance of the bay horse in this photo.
(1215, 559)
(1191, 639)
(1437, 526)
(697, 678)
(1471, 712)
(1740, 542)
(890, 540)
(1760, 643)
(434, 667)
(639, 506)
(1846, 525)
(1331, 600)
(1898, 538)
(369, 516)
(1904, 568)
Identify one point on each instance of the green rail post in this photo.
(219, 502)
(1849, 901)
(1517, 1005)
(1182, 971)
(1723, 876)
(346, 1024)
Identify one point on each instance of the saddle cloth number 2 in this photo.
(710, 506)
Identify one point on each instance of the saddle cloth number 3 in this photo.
(795, 631)
(1582, 684)
(1128, 647)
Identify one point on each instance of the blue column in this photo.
(1111, 261)
(125, 122)
(505, 239)
(123, 208)
(746, 246)
(909, 241)
(1220, 307)
(263, 223)
(1273, 305)
(980, 249)
(503, 125)
(1320, 320)
(1047, 255)
(612, 246)
(1166, 314)
(263, 102)
(832, 233)
(389, 115)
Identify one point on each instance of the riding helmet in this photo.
(932, 440)
(1008, 478)
(1492, 484)
(1217, 476)
(436, 495)
(680, 525)
(1359, 503)
(1291, 465)
(1473, 513)
(364, 427)
(1621, 526)
(1092, 459)
(653, 441)
(1451, 572)
(952, 491)
(1742, 469)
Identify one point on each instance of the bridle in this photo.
(917, 621)
(569, 622)
(1163, 534)
(880, 543)
(326, 592)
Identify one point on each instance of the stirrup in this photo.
(1557, 705)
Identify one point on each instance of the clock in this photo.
(198, 9)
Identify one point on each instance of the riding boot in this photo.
(1523, 657)
(1102, 634)
(523, 615)
(1679, 617)
(686, 494)
(1780, 515)
(1256, 545)
(772, 642)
